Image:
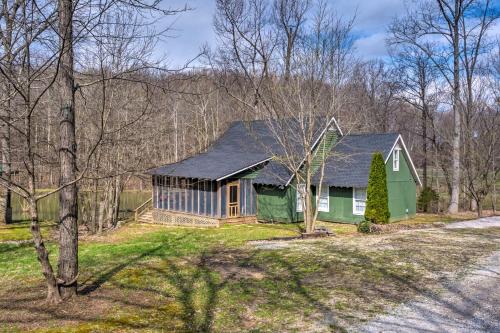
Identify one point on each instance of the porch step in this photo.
(146, 217)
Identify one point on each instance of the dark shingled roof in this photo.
(273, 173)
(246, 144)
(349, 165)
(243, 145)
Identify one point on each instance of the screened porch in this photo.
(227, 198)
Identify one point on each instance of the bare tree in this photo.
(417, 77)
(298, 106)
(446, 19)
(290, 16)
(42, 64)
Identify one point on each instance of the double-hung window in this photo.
(324, 199)
(395, 159)
(301, 192)
(359, 201)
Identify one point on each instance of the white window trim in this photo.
(396, 152)
(327, 209)
(299, 199)
(354, 211)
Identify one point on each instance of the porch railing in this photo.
(142, 208)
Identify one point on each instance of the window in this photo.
(324, 199)
(359, 201)
(395, 159)
(301, 189)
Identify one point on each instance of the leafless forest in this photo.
(88, 106)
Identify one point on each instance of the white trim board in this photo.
(245, 168)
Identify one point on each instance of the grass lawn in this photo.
(163, 279)
(20, 231)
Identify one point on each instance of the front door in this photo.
(233, 195)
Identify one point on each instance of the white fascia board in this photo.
(245, 168)
(413, 169)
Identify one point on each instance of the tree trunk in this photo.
(110, 200)
(100, 219)
(5, 136)
(455, 177)
(116, 204)
(424, 145)
(473, 204)
(95, 207)
(53, 295)
(68, 196)
(308, 211)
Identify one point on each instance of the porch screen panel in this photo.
(155, 189)
(202, 197)
(165, 192)
(196, 186)
(248, 195)
(159, 190)
(223, 198)
(242, 196)
(176, 194)
(182, 194)
(189, 195)
(170, 201)
(179, 194)
(208, 196)
(253, 198)
(215, 199)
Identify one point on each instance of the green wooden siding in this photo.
(402, 189)
(340, 207)
(275, 204)
(279, 205)
(249, 174)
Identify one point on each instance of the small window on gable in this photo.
(324, 199)
(301, 189)
(395, 158)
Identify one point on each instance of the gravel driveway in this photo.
(485, 222)
(470, 304)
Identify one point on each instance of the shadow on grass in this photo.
(159, 291)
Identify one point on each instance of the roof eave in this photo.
(243, 169)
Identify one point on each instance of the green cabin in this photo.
(239, 179)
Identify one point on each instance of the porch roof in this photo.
(242, 146)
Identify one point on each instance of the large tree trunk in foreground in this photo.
(5, 135)
(5, 144)
(68, 196)
(455, 173)
(424, 145)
